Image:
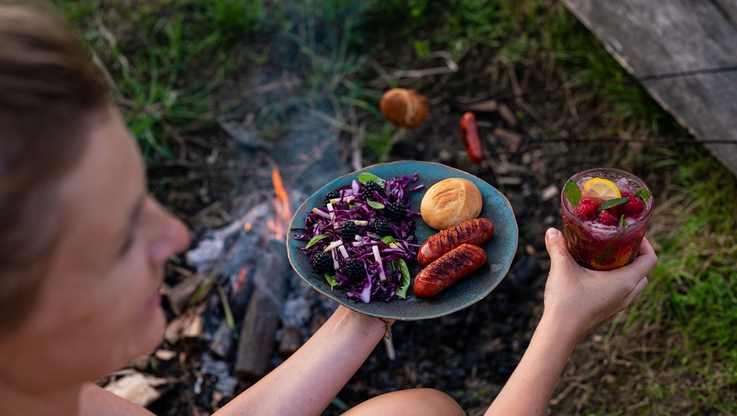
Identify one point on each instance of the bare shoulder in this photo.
(96, 401)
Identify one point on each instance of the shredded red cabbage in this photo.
(387, 278)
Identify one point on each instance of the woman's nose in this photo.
(172, 238)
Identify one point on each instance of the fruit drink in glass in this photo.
(605, 214)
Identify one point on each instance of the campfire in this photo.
(238, 296)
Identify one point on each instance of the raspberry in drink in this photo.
(605, 214)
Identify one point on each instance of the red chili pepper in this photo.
(471, 139)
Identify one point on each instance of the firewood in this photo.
(222, 342)
(291, 340)
(180, 294)
(262, 316)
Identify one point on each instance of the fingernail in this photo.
(551, 233)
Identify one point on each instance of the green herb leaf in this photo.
(573, 193)
(402, 290)
(643, 193)
(332, 281)
(315, 239)
(393, 265)
(387, 239)
(612, 203)
(375, 205)
(622, 222)
(369, 177)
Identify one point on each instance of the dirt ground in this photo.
(471, 353)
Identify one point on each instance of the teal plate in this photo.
(500, 249)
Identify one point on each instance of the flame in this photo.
(242, 274)
(247, 227)
(281, 206)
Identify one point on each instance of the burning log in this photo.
(262, 316)
(291, 340)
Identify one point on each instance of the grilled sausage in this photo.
(468, 232)
(471, 140)
(448, 269)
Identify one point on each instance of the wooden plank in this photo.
(663, 36)
(729, 7)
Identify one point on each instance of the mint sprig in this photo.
(644, 194)
(611, 203)
(573, 193)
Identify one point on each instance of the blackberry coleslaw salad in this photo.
(363, 236)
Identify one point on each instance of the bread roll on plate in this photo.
(450, 202)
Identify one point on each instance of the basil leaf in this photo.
(402, 290)
(315, 239)
(369, 177)
(573, 193)
(332, 281)
(375, 205)
(643, 193)
(612, 203)
(387, 239)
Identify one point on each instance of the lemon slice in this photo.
(600, 190)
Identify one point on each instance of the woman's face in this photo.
(98, 306)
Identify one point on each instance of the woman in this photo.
(83, 245)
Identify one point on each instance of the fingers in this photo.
(637, 290)
(556, 246)
(646, 258)
(642, 266)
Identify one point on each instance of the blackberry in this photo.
(322, 263)
(381, 227)
(354, 269)
(348, 230)
(396, 211)
(329, 196)
(367, 191)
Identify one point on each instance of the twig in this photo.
(389, 344)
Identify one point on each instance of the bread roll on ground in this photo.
(450, 202)
(406, 108)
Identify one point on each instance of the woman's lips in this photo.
(153, 302)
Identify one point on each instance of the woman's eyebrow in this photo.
(135, 214)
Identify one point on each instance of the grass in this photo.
(170, 58)
(694, 290)
(161, 59)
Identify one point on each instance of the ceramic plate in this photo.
(500, 249)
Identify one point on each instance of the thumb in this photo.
(556, 246)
